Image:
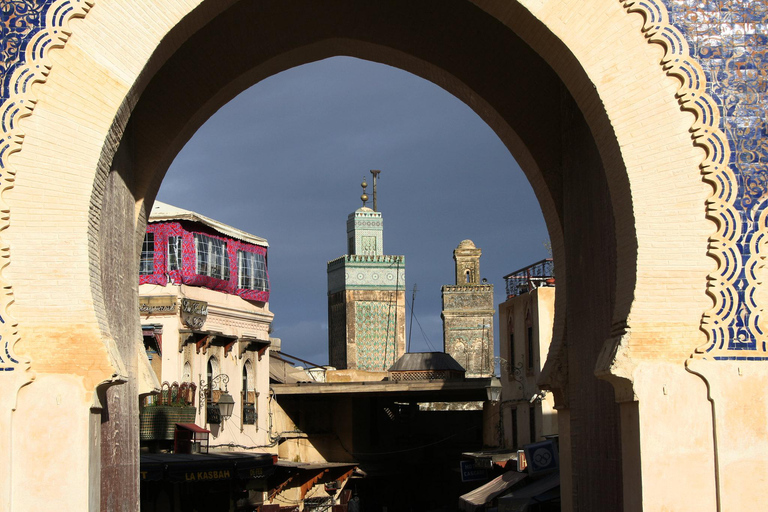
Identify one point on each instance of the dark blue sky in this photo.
(284, 160)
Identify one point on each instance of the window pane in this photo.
(226, 263)
(147, 262)
(219, 259)
(174, 253)
(260, 272)
(212, 257)
(216, 258)
(243, 270)
(252, 271)
(201, 247)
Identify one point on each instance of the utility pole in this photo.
(410, 329)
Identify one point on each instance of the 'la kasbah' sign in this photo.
(197, 476)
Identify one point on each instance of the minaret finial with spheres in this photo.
(364, 197)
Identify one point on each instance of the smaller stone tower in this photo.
(467, 258)
(468, 314)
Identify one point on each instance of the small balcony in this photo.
(540, 274)
(160, 412)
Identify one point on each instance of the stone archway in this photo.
(588, 107)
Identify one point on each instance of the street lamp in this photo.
(493, 390)
(226, 403)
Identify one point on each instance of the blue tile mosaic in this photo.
(20, 20)
(7, 361)
(728, 38)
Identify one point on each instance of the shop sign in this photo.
(541, 457)
(470, 472)
(197, 476)
(157, 305)
(152, 474)
(483, 462)
(194, 312)
(522, 464)
(260, 472)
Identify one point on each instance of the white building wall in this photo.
(534, 310)
(231, 316)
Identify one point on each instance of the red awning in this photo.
(194, 428)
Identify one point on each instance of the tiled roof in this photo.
(420, 361)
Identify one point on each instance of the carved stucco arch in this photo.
(655, 27)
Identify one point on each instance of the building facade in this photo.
(366, 299)
(525, 333)
(468, 314)
(204, 308)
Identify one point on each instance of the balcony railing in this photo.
(541, 273)
(160, 412)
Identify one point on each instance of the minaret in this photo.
(468, 314)
(366, 296)
(467, 259)
(365, 229)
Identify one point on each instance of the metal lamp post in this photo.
(493, 390)
(226, 403)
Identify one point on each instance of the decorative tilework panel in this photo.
(366, 273)
(729, 39)
(7, 361)
(20, 20)
(375, 330)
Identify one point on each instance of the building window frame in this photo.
(249, 396)
(147, 259)
(251, 271)
(212, 257)
(212, 414)
(175, 261)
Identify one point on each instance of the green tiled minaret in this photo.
(366, 297)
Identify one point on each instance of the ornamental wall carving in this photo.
(464, 298)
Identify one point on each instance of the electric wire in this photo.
(410, 329)
(424, 334)
(389, 314)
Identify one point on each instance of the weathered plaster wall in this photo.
(118, 255)
(232, 316)
(468, 326)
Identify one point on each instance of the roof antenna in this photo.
(375, 175)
